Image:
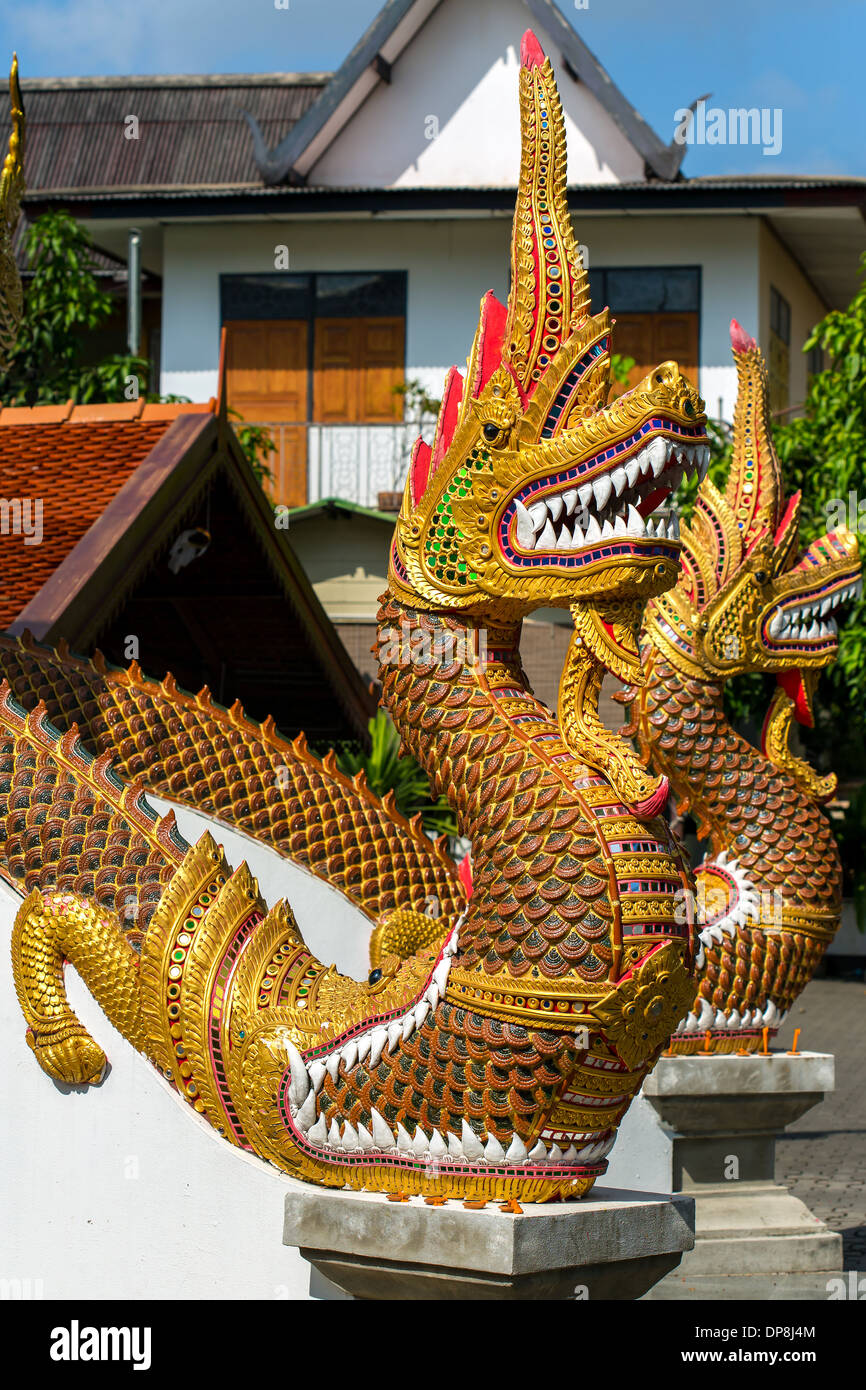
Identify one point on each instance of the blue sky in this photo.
(800, 56)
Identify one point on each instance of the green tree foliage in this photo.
(62, 303)
(390, 769)
(823, 455)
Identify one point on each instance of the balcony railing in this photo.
(356, 462)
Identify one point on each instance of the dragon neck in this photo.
(746, 805)
(549, 891)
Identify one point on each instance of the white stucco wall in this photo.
(779, 269)
(450, 114)
(450, 264)
(121, 1190)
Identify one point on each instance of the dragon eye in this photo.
(491, 432)
(761, 576)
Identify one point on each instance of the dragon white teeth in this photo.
(602, 488)
(632, 469)
(349, 1054)
(570, 500)
(455, 1148)
(438, 1147)
(395, 1033)
(706, 1015)
(420, 1012)
(350, 1138)
(555, 1154)
(777, 623)
(619, 480)
(538, 514)
(420, 1144)
(593, 531)
(525, 528)
(619, 526)
(382, 1136)
(577, 540)
(316, 1072)
(408, 1026)
(300, 1082)
(634, 522)
(584, 492)
(307, 1113)
(365, 1139)
(656, 455)
(564, 539)
(364, 1046)
(472, 1146)
(493, 1150)
(334, 1135)
(538, 1154)
(377, 1046)
(547, 539)
(606, 530)
(554, 507)
(516, 1151)
(318, 1135)
(404, 1142)
(332, 1066)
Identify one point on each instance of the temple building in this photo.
(339, 225)
(142, 530)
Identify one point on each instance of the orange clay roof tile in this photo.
(60, 467)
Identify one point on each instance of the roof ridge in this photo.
(106, 412)
(171, 79)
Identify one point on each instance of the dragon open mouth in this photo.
(806, 623)
(555, 1151)
(604, 506)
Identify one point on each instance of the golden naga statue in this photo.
(11, 193)
(770, 890)
(498, 1061)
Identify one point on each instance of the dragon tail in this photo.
(51, 929)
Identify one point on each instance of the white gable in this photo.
(449, 116)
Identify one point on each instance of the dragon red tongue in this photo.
(795, 688)
(653, 805)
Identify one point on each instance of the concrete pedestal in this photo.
(719, 1118)
(613, 1245)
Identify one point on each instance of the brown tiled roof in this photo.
(191, 129)
(74, 459)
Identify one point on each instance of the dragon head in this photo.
(748, 599)
(535, 490)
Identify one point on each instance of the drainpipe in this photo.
(133, 293)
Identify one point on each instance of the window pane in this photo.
(280, 296)
(371, 294)
(667, 290)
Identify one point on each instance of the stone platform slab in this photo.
(611, 1245)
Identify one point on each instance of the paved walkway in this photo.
(822, 1157)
